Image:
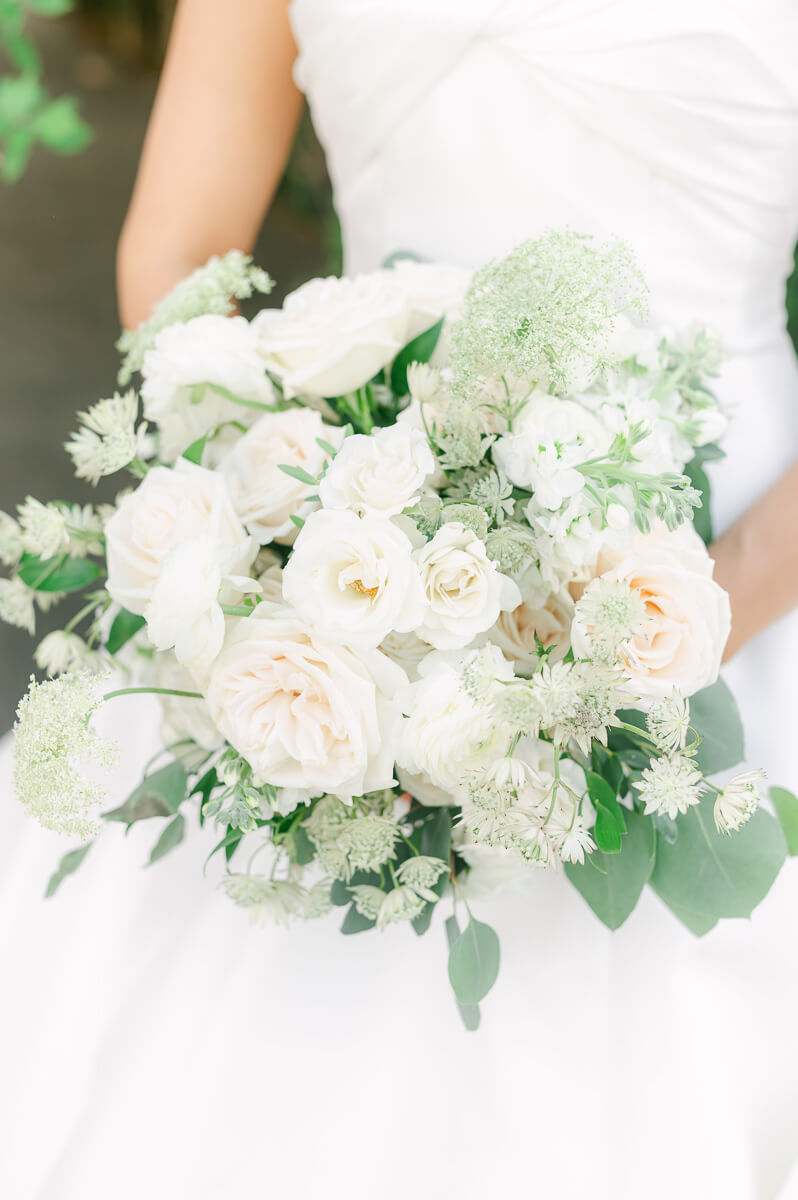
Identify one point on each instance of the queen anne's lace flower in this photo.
(52, 733)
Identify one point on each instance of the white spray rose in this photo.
(333, 335)
(688, 615)
(463, 590)
(172, 546)
(213, 350)
(354, 578)
(265, 497)
(303, 712)
(447, 732)
(380, 474)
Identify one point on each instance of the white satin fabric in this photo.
(153, 1042)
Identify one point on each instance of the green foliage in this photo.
(435, 841)
(714, 714)
(59, 574)
(28, 114)
(612, 883)
(610, 824)
(704, 874)
(474, 962)
(171, 836)
(125, 626)
(159, 795)
(469, 1013)
(786, 807)
(67, 866)
(420, 350)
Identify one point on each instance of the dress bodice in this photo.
(456, 128)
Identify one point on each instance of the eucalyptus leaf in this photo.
(125, 626)
(355, 922)
(612, 883)
(702, 519)
(158, 795)
(171, 836)
(340, 893)
(786, 806)
(435, 843)
(469, 1013)
(698, 923)
(474, 962)
(714, 714)
(419, 350)
(58, 574)
(714, 874)
(67, 866)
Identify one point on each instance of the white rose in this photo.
(171, 546)
(689, 618)
(354, 578)
(265, 497)
(380, 474)
(333, 335)
(542, 614)
(434, 290)
(303, 712)
(221, 352)
(463, 590)
(447, 733)
(407, 650)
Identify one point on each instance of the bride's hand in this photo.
(727, 558)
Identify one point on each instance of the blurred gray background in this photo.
(58, 229)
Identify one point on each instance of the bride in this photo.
(156, 1044)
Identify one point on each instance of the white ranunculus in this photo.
(379, 474)
(172, 545)
(218, 351)
(306, 713)
(689, 619)
(265, 497)
(333, 335)
(354, 578)
(447, 733)
(542, 614)
(463, 590)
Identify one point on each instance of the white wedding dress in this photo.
(155, 1044)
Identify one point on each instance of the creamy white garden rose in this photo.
(448, 733)
(542, 614)
(175, 547)
(306, 713)
(463, 590)
(407, 650)
(264, 496)
(354, 578)
(379, 474)
(688, 615)
(219, 352)
(333, 335)
(434, 290)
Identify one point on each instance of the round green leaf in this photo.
(786, 806)
(611, 883)
(58, 574)
(474, 962)
(714, 714)
(419, 350)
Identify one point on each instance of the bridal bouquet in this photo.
(415, 565)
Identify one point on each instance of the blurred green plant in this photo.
(792, 303)
(28, 113)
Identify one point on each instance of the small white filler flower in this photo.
(738, 801)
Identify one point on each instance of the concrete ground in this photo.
(58, 320)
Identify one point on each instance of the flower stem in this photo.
(154, 691)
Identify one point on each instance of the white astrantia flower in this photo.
(11, 540)
(671, 785)
(277, 900)
(423, 382)
(333, 335)
(354, 578)
(303, 711)
(43, 527)
(668, 722)
(380, 474)
(463, 590)
(448, 733)
(62, 651)
(265, 496)
(607, 615)
(16, 604)
(200, 375)
(402, 903)
(84, 529)
(738, 801)
(108, 439)
(52, 734)
(577, 700)
(421, 873)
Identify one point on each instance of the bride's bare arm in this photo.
(757, 561)
(220, 132)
